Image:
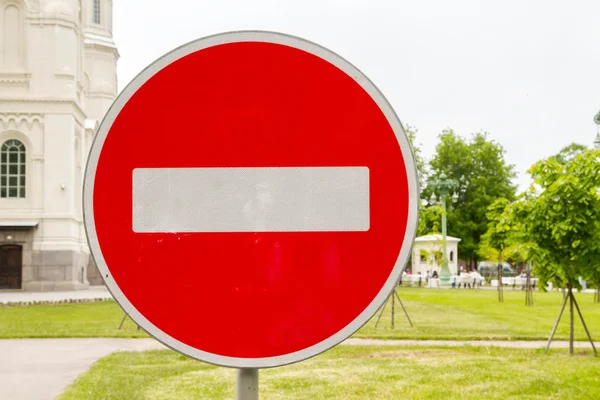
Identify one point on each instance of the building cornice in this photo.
(32, 101)
(91, 125)
(100, 42)
(20, 118)
(99, 94)
(17, 78)
(65, 73)
(64, 21)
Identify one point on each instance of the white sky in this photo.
(526, 71)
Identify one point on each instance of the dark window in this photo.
(96, 17)
(12, 169)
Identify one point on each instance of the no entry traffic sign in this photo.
(251, 199)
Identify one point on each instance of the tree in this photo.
(561, 214)
(411, 132)
(504, 240)
(568, 153)
(433, 257)
(483, 175)
(430, 220)
(498, 234)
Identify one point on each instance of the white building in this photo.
(57, 79)
(424, 254)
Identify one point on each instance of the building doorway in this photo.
(11, 266)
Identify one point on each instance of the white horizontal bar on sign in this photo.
(277, 199)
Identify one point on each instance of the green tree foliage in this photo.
(561, 215)
(430, 220)
(515, 253)
(568, 153)
(479, 166)
(411, 132)
(499, 225)
(434, 256)
(498, 233)
(503, 219)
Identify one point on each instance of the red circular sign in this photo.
(250, 102)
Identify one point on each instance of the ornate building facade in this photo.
(57, 80)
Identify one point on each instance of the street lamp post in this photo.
(444, 186)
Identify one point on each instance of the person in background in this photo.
(462, 273)
(476, 278)
(402, 277)
(435, 275)
(523, 274)
(420, 278)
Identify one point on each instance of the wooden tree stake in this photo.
(556, 324)
(584, 325)
(571, 320)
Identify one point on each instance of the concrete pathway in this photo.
(94, 292)
(41, 369)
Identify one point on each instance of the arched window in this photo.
(12, 170)
(96, 16)
(451, 256)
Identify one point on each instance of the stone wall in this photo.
(58, 270)
(47, 270)
(93, 275)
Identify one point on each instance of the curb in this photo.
(50, 302)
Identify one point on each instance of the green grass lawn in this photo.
(470, 314)
(437, 314)
(352, 372)
(66, 320)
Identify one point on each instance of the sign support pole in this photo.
(247, 384)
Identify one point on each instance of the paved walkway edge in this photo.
(143, 344)
(515, 344)
(20, 298)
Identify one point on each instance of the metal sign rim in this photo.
(235, 37)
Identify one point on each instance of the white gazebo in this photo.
(427, 247)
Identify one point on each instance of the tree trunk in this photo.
(562, 309)
(500, 291)
(528, 288)
(597, 299)
(587, 331)
(571, 320)
(570, 297)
